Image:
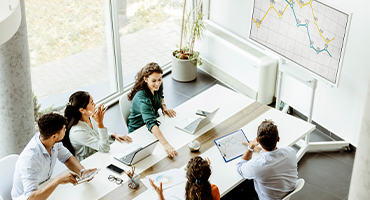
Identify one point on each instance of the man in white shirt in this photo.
(36, 162)
(274, 172)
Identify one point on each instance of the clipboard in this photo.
(231, 145)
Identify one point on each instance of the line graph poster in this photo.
(307, 32)
(231, 146)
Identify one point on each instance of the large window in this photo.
(149, 31)
(68, 49)
(90, 45)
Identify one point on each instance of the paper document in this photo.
(231, 146)
(168, 178)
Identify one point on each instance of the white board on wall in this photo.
(309, 33)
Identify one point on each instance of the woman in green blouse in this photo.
(147, 97)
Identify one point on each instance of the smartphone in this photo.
(202, 113)
(115, 169)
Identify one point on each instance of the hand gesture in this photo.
(208, 161)
(67, 178)
(87, 172)
(159, 189)
(253, 145)
(99, 114)
(121, 138)
(171, 152)
(171, 113)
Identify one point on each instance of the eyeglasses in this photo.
(117, 180)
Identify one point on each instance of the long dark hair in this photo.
(198, 187)
(145, 72)
(77, 100)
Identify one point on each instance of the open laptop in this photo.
(135, 153)
(195, 122)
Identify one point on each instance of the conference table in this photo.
(236, 111)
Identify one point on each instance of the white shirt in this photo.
(35, 166)
(274, 173)
(86, 140)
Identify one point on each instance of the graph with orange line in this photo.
(307, 32)
(231, 146)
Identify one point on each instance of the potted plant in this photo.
(185, 60)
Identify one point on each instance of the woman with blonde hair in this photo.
(147, 97)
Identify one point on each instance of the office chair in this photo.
(7, 167)
(124, 105)
(298, 186)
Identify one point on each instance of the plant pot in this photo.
(183, 70)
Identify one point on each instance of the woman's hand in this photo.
(121, 138)
(159, 189)
(171, 113)
(171, 152)
(98, 116)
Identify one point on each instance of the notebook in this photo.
(194, 122)
(135, 153)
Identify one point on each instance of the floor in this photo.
(327, 174)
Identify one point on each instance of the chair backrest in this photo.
(7, 168)
(298, 186)
(124, 105)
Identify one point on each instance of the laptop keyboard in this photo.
(193, 125)
(128, 158)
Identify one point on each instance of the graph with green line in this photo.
(307, 32)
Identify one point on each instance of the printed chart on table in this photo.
(231, 146)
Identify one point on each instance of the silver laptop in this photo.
(194, 122)
(135, 153)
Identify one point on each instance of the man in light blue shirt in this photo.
(274, 172)
(36, 162)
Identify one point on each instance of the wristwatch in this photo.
(250, 149)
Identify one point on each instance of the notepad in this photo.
(231, 145)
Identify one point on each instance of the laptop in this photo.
(135, 153)
(194, 122)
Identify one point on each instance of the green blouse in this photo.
(144, 109)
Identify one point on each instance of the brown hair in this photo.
(267, 135)
(197, 187)
(140, 83)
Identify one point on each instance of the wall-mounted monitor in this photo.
(309, 33)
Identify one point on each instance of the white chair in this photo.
(298, 186)
(124, 105)
(7, 167)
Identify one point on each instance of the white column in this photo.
(16, 107)
(360, 181)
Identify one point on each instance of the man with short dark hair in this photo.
(274, 172)
(36, 162)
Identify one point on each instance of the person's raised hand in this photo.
(171, 113)
(121, 138)
(159, 189)
(99, 115)
(171, 152)
(208, 160)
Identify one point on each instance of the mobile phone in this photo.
(202, 113)
(115, 169)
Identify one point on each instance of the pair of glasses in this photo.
(117, 180)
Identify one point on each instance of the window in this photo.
(68, 49)
(149, 31)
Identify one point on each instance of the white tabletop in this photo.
(227, 100)
(224, 175)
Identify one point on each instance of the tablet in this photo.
(87, 176)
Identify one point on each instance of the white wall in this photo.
(339, 109)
